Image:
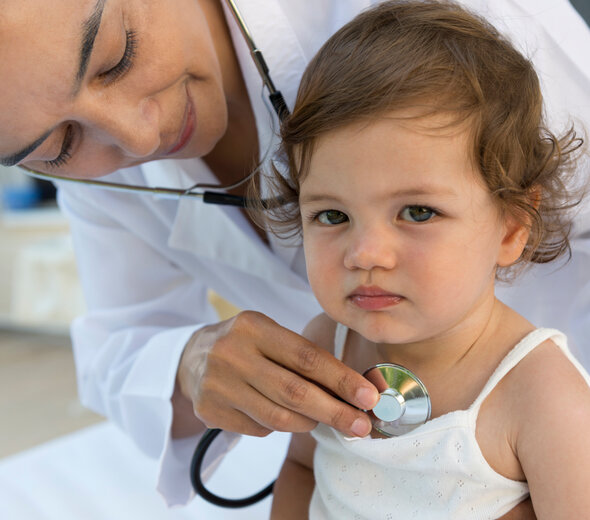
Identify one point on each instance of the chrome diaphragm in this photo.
(404, 404)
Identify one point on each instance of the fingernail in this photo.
(361, 427)
(365, 398)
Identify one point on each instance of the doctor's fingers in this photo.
(294, 398)
(316, 364)
(238, 422)
(241, 408)
(244, 341)
(271, 396)
(269, 414)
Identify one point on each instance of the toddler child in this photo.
(419, 172)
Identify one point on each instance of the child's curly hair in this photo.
(439, 57)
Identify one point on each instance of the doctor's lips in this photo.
(186, 131)
(373, 298)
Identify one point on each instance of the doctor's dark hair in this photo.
(437, 57)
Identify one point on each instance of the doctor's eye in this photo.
(66, 150)
(126, 61)
(331, 217)
(418, 214)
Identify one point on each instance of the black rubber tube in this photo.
(201, 490)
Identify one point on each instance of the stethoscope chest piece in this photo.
(404, 404)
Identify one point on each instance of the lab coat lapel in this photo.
(217, 233)
(211, 232)
(221, 234)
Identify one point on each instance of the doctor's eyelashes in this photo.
(65, 153)
(125, 63)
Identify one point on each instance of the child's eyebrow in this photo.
(426, 190)
(408, 192)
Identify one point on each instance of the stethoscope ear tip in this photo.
(404, 403)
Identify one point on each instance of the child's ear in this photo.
(516, 233)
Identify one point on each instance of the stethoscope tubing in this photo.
(217, 198)
(203, 492)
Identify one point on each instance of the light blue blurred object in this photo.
(18, 190)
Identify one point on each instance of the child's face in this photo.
(401, 237)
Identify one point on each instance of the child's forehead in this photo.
(416, 149)
(416, 122)
(421, 139)
(425, 118)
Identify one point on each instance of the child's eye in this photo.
(417, 213)
(331, 217)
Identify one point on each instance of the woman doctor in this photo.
(164, 93)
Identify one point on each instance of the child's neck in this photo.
(464, 358)
(443, 353)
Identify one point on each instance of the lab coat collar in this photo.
(215, 233)
(221, 234)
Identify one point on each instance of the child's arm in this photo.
(552, 440)
(293, 489)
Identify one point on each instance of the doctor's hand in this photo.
(250, 375)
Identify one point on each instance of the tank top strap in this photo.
(340, 340)
(517, 354)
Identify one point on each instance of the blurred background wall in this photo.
(39, 296)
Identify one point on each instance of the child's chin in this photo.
(390, 335)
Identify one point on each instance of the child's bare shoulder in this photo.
(546, 382)
(545, 366)
(320, 330)
(551, 414)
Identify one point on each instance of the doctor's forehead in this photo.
(40, 46)
(43, 21)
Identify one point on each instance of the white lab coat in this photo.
(146, 264)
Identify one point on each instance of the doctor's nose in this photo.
(371, 248)
(132, 127)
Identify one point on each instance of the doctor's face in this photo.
(90, 86)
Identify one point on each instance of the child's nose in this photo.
(370, 248)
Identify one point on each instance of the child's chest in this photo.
(457, 391)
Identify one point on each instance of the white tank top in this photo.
(437, 471)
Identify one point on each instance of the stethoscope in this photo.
(404, 404)
(218, 197)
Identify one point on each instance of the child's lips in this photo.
(374, 298)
